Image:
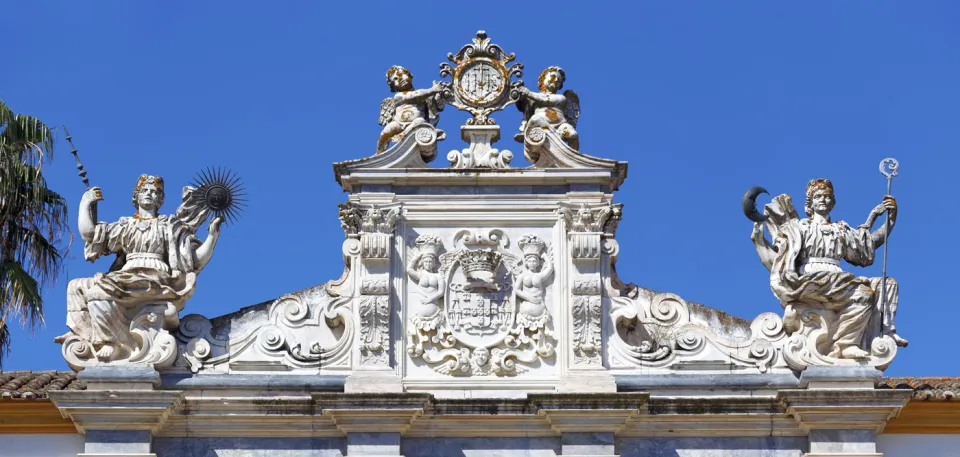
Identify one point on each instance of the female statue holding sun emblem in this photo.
(158, 258)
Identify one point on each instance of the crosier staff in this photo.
(888, 168)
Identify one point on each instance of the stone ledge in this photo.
(253, 381)
(635, 382)
(117, 409)
(856, 409)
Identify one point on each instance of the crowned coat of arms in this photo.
(482, 308)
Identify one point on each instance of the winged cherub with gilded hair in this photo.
(408, 107)
(550, 110)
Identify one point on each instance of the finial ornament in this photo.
(481, 79)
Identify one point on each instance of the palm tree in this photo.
(32, 222)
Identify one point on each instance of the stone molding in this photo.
(117, 409)
(853, 409)
(285, 413)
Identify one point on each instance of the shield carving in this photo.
(480, 308)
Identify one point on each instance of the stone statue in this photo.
(805, 274)
(431, 288)
(530, 284)
(409, 107)
(117, 315)
(548, 109)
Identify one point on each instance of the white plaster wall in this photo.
(44, 445)
(895, 445)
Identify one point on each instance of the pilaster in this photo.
(595, 444)
(373, 225)
(585, 226)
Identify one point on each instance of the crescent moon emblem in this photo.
(750, 204)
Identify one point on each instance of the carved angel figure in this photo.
(550, 110)
(409, 107)
(158, 259)
(805, 274)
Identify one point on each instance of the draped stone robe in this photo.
(156, 264)
(806, 274)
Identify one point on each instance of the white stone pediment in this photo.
(483, 276)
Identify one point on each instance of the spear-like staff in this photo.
(888, 168)
(73, 150)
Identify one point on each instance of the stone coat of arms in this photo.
(482, 308)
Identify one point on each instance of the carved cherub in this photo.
(409, 107)
(550, 110)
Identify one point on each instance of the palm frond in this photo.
(20, 294)
(5, 338)
(33, 219)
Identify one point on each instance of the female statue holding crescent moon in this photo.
(804, 263)
(158, 258)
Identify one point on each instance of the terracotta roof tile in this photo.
(935, 389)
(30, 385)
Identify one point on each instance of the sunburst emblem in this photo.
(222, 192)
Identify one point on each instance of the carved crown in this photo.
(480, 264)
(429, 245)
(531, 244)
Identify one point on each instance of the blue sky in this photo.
(704, 99)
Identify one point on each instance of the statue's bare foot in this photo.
(60, 339)
(105, 352)
(853, 352)
(901, 341)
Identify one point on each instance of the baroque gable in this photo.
(487, 274)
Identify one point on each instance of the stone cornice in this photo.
(279, 413)
(849, 409)
(117, 409)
